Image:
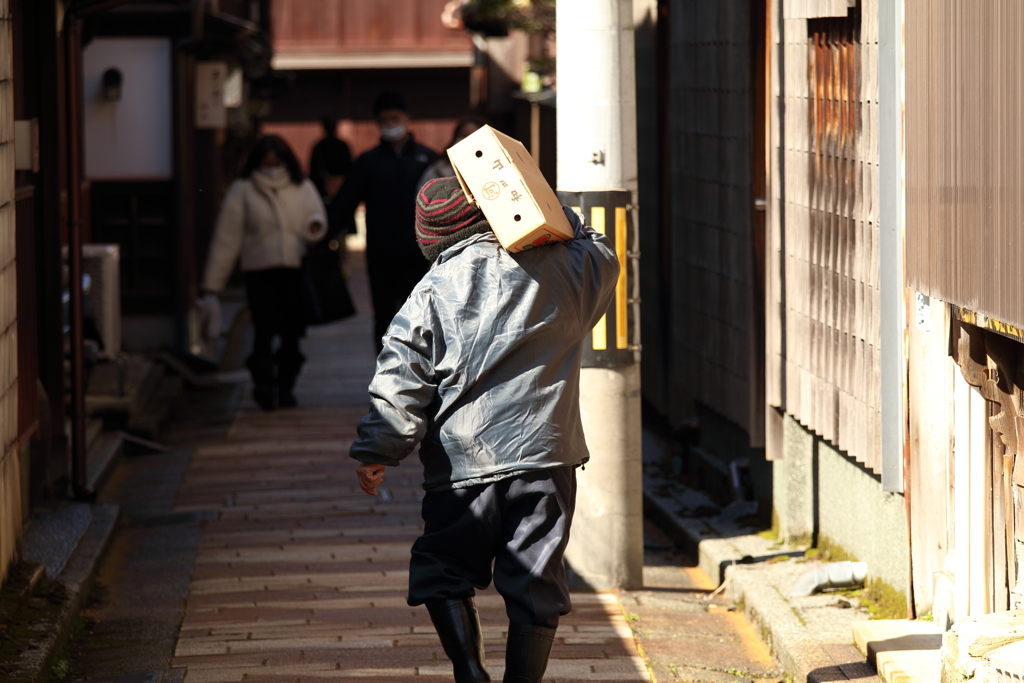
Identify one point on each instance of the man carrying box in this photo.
(481, 368)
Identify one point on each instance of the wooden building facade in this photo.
(55, 197)
(964, 193)
(341, 54)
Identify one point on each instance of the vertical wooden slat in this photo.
(10, 463)
(1008, 528)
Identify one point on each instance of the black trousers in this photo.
(276, 299)
(520, 524)
(392, 279)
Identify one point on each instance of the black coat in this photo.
(330, 156)
(387, 182)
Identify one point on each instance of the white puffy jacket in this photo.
(269, 223)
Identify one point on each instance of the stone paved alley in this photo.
(255, 540)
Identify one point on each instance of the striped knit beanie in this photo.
(445, 217)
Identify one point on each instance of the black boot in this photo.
(458, 624)
(288, 365)
(262, 370)
(526, 652)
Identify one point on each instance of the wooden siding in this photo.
(823, 307)
(362, 26)
(10, 465)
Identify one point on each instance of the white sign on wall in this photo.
(234, 89)
(129, 138)
(211, 78)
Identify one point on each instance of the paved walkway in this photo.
(302, 577)
(250, 554)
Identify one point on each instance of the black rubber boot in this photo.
(526, 652)
(458, 624)
(262, 370)
(288, 366)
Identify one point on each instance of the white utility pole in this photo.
(597, 173)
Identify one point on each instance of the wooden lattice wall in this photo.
(823, 307)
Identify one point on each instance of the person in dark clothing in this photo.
(481, 370)
(330, 160)
(386, 179)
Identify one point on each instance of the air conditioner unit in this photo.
(102, 262)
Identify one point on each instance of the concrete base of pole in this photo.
(606, 546)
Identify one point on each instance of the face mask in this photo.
(274, 172)
(393, 133)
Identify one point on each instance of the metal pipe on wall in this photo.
(890, 223)
(73, 120)
(79, 454)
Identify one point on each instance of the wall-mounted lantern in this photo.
(112, 79)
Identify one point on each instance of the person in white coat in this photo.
(268, 217)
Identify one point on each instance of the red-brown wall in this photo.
(360, 135)
(347, 26)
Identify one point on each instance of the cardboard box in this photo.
(499, 175)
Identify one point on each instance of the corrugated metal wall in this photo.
(823, 311)
(965, 153)
(712, 206)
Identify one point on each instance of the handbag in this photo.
(328, 299)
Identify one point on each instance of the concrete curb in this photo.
(715, 544)
(810, 638)
(33, 665)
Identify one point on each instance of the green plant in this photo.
(60, 668)
(883, 601)
(830, 551)
(531, 16)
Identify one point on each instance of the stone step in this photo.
(150, 419)
(123, 388)
(902, 651)
(103, 456)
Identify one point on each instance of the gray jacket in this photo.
(482, 363)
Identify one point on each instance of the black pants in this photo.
(521, 524)
(277, 302)
(392, 279)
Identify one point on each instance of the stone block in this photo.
(1007, 662)
(966, 646)
(901, 650)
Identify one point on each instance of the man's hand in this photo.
(370, 477)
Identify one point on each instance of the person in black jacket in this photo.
(330, 160)
(481, 371)
(386, 179)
